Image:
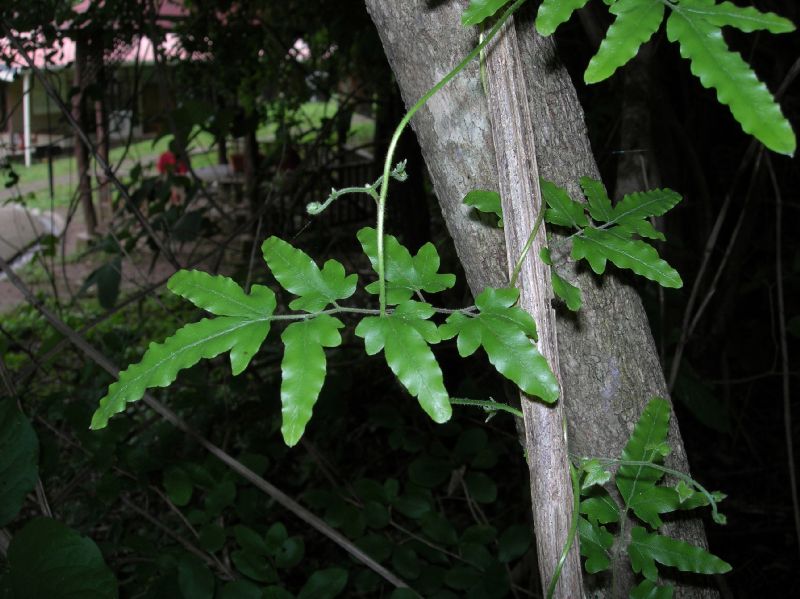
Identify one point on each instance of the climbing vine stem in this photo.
(528, 244)
(387, 165)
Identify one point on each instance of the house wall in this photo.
(48, 125)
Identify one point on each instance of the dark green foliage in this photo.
(47, 559)
(19, 456)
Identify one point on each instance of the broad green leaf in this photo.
(737, 86)
(243, 589)
(650, 590)
(481, 488)
(254, 566)
(595, 545)
(291, 552)
(47, 559)
(486, 201)
(404, 336)
(19, 460)
(429, 472)
(513, 543)
(324, 584)
(563, 210)
(220, 295)
(439, 529)
(194, 578)
(159, 367)
(553, 13)
(298, 274)
(275, 537)
(566, 291)
(600, 208)
(303, 369)
(506, 333)
(406, 562)
(178, 486)
(644, 446)
(250, 540)
(744, 18)
(600, 507)
(636, 22)
(107, 278)
(647, 548)
(211, 538)
(275, 592)
(600, 245)
(405, 275)
(480, 10)
(569, 293)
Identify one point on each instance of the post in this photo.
(26, 116)
(545, 425)
(81, 151)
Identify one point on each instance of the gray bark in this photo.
(545, 438)
(609, 364)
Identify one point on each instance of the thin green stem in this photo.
(384, 192)
(315, 208)
(526, 249)
(337, 309)
(573, 529)
(486, 405)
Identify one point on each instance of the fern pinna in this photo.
(696, 26)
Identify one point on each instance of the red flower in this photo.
(167, 163)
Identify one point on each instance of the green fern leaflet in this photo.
(240, 328)
(404, 336)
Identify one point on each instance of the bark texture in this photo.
(609, 364)
(545, 438)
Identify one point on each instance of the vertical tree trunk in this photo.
(81, 151)
(609, 365)
(102, 134)
(545, 430)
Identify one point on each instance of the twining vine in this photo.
(405, 325)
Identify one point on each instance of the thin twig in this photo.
(781, 316)
(791, 75)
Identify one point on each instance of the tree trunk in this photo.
(103, 140)
(609, 365)
(81, 151)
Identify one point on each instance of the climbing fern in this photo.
(696, 26)
(644, 497)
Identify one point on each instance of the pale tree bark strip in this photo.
(545, 427)
(609, 365)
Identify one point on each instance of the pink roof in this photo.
(62, 53)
